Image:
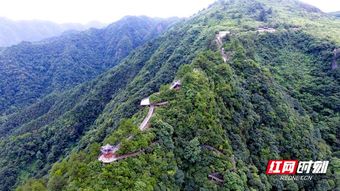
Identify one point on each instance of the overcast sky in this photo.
(83, 11)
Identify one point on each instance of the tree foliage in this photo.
(275, 98)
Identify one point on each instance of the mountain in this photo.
(14, 32)
(29, 71)
(269, 89)
(336, 14)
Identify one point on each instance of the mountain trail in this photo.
(335, 56)
(128, 155)
(144, 125)
(212, 149)
(215, 178)
(146, 120)
(219, 41)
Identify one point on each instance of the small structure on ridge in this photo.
(107, 155)
(223, 34)
(145, 102)
(176, 85)
(220, 36)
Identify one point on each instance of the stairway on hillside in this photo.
(219, 41)
(111, 156)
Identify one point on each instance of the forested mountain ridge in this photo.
(29, 71)
(336, 14)
(14, 32)
(64, 118)
(228, 119)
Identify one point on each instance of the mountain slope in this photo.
(69, 115)
(217, 132)
(336, 14)
(29, 71)
(225, 122)
(14, 32)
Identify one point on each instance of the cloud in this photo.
(101, 10)
(325, 5)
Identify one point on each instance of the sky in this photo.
(107, 11)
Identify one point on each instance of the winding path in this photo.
(142, 127)
(213, 177)
(334, 63)
(146, 120)
(212, 149)
(219, 41)
(224, 55)
(128, 155)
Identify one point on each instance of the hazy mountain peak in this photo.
(13, 32)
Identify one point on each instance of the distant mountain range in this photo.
(336, 14)
(13, 32)
(70, 59)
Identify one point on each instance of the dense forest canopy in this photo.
(276, 96)
(29, 71)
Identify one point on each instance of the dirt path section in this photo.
(219, 41)
(212, 149)
(111, 157)
(224, 55)
(128, 155)
(215, 178)
(336, 53)
(146, 120)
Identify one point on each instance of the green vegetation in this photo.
(56, 128)
(277, 97)
(302, 65)
(244, 125)
(29, 71)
